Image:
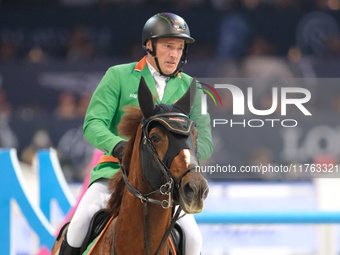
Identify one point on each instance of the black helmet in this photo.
(166, 25)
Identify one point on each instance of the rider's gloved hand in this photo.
(118, 150)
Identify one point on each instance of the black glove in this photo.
(118, 150)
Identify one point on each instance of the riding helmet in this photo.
(166, 25)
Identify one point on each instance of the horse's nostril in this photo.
(188, 191)
(205, 193)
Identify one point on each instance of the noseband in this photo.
(156, 171)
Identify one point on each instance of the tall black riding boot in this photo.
(66, 249)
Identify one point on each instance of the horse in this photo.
(158, 177)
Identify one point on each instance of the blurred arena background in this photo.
(53, 53)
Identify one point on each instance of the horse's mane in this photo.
(126, 128)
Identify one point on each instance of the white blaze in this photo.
(187, 156)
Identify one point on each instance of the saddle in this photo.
(101, 218)
(97, 225)
(177, 236)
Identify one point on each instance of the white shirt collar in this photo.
(152, 69)
(160, 80)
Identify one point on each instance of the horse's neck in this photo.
(130, 227)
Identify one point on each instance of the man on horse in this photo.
(165, 38)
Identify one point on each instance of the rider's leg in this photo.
(193, 237)
(94, 199)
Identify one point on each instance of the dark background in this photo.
(54, 53)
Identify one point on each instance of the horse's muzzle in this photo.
(193, 193)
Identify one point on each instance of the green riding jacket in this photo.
(118, 88)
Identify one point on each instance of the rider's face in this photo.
(169, 52)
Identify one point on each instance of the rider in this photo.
(165, 38)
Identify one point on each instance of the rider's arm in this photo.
(205, 145)
(98, 128)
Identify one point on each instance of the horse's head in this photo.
(168, 149)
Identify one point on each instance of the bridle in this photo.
(179, 125)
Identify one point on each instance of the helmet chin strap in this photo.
(183, 60)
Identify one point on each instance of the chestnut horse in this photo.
(158, 174)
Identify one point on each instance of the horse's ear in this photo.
(187, 100)
(145, 99)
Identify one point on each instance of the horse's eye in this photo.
(155, 138)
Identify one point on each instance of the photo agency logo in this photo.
(204, 97)
(243, 103)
